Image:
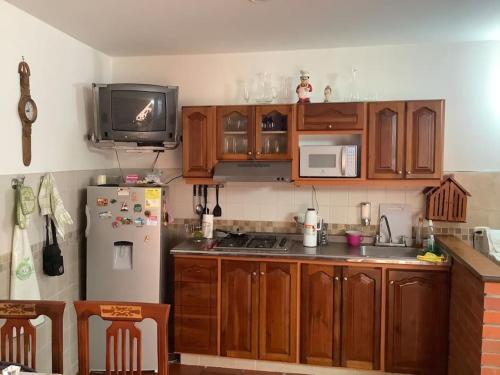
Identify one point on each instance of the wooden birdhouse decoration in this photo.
(447, 202)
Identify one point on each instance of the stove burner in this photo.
(262, 242)
(233, 241)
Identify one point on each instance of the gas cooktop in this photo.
(254, 242)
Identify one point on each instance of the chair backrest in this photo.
(123, 317)
(17, 315)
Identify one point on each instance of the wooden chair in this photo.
(17, 315)
(123, 316)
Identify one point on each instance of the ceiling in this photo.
(157, 27)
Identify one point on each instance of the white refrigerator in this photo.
(126, 259)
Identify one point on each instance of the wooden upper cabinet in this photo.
(320, 314)
(273, 132)
(235, 133)
(331, 116)
(239, 309)
(361, 299)
(417, 322)
(198, 136)
(386, 142)
(424, 133)
(195, 314)
(278, 311)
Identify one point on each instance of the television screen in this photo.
(138, 111)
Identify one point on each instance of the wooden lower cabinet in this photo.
(259, 310)
(417, 322)
(278, 311)
(361, 300)
(240, 309)
(320, 314)
(195, 312)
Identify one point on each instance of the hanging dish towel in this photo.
(23, 281)
(25, 204)
(50, 203)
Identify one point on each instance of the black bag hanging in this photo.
(53, 264)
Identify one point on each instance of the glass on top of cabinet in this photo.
(274, 122)
(235, 123)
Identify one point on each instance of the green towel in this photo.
(25, 204)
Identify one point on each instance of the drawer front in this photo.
(195, 294)
(195, 270)
(331, 116)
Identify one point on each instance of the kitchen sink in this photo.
(389, 252)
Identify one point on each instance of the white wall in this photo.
(62, 70)
(467, 75)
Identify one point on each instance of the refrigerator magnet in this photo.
(133, 197)
(105, 215)
(124, 207)
(101, 202)
(115, 224)
(152, 198)
(139, 221)
(152, 220)
(147, 238)
(147, 213)
(113, 201)
(137, 207)
(126, 221)
(123, 192)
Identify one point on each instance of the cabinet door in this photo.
(417, 322)
(331, 116)
(273, 132)
(320, 314)
(195, 314)
(424, 139)
(386, 140)
(240, 309)
(235, 133)
(198, 139)
(361, 318)
(278, 312)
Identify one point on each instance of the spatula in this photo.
(217, 209)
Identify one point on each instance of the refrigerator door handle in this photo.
(87, 215)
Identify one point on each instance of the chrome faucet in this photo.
(389, 243)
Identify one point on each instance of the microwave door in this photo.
(324, 163)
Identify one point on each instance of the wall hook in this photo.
(17, 182)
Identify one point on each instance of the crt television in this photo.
(145, 114)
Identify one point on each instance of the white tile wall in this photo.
(280, 202)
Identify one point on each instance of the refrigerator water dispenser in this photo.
(122, 255)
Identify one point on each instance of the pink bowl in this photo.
(353, 238)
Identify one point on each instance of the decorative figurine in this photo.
(328, 94)
(304, 89)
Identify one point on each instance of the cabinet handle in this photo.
(345, 278)
(262, 273)
(391, 282)
(330, 126)
(408, 172)
(258, 152)
(400, 172)
(254, 273)
(336, 278)
(249, 152)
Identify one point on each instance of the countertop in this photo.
(335, 251)
(482, 266)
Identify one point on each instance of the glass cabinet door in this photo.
(273, 132)
(234, 133)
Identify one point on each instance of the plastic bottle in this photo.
(418, 232)
(430, 239)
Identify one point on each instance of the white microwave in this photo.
(328, 161)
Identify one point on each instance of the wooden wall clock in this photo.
(27, 110)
